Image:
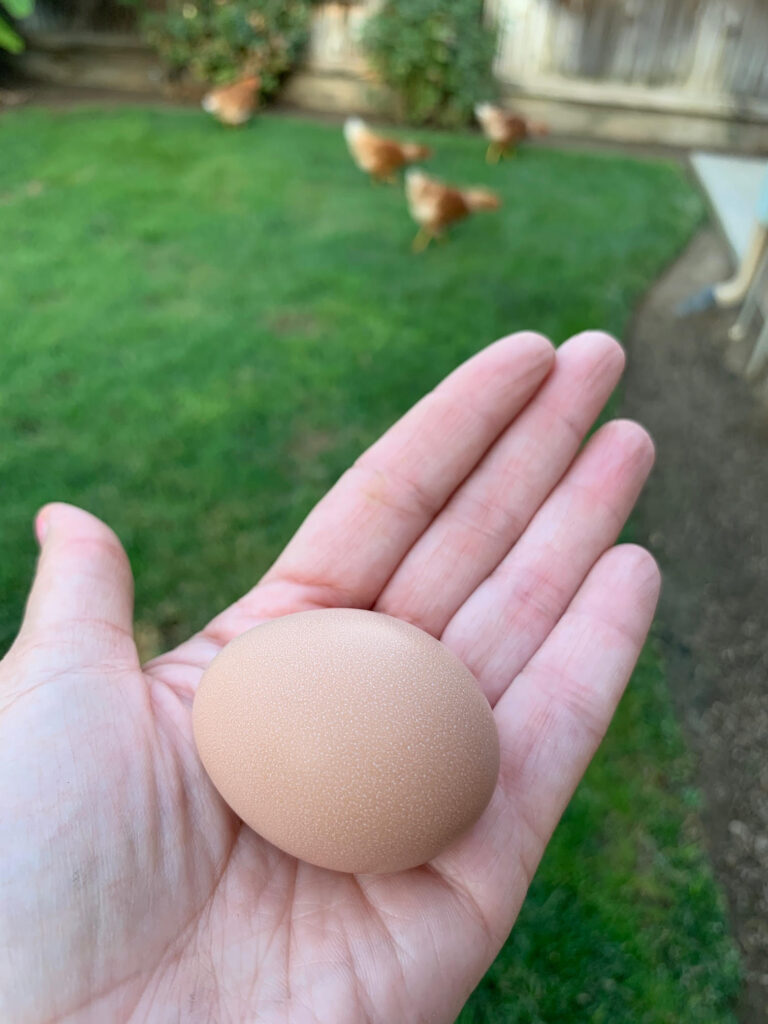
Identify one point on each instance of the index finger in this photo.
(354, 539)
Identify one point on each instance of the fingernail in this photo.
(41, 526)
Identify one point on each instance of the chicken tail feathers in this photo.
(481, 199)
(413, 152)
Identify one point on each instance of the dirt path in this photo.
(705, 516)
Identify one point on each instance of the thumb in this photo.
(83, 587)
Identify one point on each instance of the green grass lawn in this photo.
(201, 327)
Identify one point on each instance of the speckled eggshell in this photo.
(349, 739)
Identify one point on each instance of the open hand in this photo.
(130, 892)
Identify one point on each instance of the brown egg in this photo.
(347, 738)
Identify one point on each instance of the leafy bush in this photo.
(437, 57)
(216, 40)
(10, 39)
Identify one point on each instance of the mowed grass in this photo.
(201, 328)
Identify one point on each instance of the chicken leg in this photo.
(421, 241)
(493, 153)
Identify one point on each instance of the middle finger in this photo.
(511, 613)
(489, 512)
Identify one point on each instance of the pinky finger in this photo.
(552, 718)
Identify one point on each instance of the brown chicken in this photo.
(434, 205)
(234, 104)
(378, 156)
(505, 130)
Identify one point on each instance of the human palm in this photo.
(130, 891)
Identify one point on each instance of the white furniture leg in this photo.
(759, 355)
(740, 329)
(755, 304)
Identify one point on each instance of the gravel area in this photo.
(705, 517)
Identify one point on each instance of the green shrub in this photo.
(10, 39)
(216, 40)
(437, 57)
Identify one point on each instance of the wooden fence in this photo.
(705, 57)
(701, 56)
